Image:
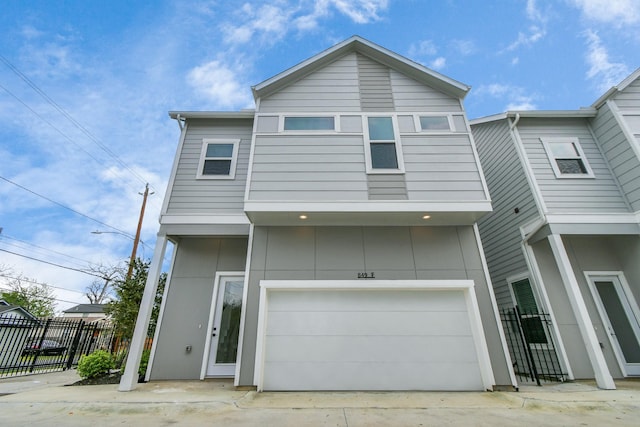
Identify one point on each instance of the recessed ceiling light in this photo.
(303, 216)
(426, 216)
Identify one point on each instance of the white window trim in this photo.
(521, 276)
(367, 145)
(581, 156)
(418, 124)
(336, 124)
(234, 158)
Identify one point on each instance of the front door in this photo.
(620, 315)
(226, 327)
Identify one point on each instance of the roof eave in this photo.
(244, 114)
(545, 114)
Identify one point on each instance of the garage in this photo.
(371, 335)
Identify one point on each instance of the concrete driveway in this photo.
(44, 400)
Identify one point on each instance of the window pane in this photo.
(381, 129)
(563, 149)
(216, 167)
(383, 155)
(434, 122)
(219, 150)
(575, 166)
(308, 123)
(524, 296)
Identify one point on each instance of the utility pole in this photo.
(137, 238)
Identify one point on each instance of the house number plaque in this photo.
(371, 275)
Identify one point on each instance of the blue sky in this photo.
(85, 87)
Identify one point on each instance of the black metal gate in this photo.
(530, 341)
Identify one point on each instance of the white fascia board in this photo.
(572, 218)
(545, 114)
(240, 219)
(615, 89)
(370, 206)
(244, 114)
(363, 284)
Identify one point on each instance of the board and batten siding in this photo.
(570, 195)
(509, 189)
(197, 196)
(621, 157)
(332, 88)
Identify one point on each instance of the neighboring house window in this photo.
(524, 298)
(383, 149)
(567, 158)
(434, 123)
(218, 159)
(309, 123)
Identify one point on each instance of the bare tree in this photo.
(36, 298)
(99, 290)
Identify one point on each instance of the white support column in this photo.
(599, 364)
(129, 379)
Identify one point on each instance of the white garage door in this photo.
(368, 339)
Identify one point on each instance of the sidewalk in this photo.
(44, 400)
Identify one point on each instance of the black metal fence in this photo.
(533, 351)
(45, 345)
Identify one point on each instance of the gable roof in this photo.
(618, 88)
(7, 308)
(86, 308)
(357, 44)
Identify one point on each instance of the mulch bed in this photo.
(113, 378)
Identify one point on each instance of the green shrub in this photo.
(96, 364)
(144, 361)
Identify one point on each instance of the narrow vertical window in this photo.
(382, 145)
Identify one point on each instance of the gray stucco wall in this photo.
(340, 253)
(587, 253)
(188, 303)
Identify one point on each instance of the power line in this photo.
(69, 117)
(62, 206)
(4, 236)
(39, 283)
(53, 263)
(55, 299)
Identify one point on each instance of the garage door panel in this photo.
(346, 349)
(371, 376)
(368, 323)
(338, 300)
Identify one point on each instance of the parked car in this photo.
(46, 348)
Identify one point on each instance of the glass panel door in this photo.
(226, 327)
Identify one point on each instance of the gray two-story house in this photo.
(564, 237)
(327, 240)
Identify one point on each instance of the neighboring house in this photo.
(86, 312)
(564, 237)
(328, 240)
(14, 311)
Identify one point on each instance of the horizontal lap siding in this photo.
(409, 95)
(441, 168)
(619, 152)
(196, 196)
(629, 98)
(308, 168)
(509, 189)
(580, 195)
(332, 88)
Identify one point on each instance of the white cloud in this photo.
(514, 97)
(360, 11)
(464, 47)
(536, 30)
(219, 83)
(423, 48)
(268, 21)
(616, 12)
(601, 69)
(438, 63)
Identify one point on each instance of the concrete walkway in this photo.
(44, 400)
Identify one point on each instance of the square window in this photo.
(218, 159)
(434, 123)
(309, 123)
(383, 155)
(567, 158)
(380, 129)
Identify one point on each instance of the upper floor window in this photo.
(218, 159)
(567, 158)
(383, 152)
(309, 123)
(434, 123)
